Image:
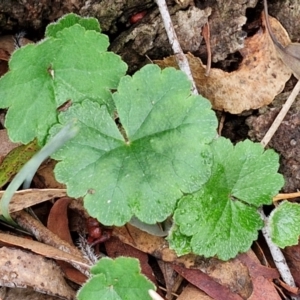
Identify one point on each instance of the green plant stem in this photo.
(29, 169)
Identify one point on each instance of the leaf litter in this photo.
(43, 275)
(260, 70)
(215, 264)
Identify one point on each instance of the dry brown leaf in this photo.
(4, 55)
(192, 293)
(42, 249)
(292, 255)
(26, 198)
(43, 234)
(3, 66)
(207, 284)
(58, 223)
(263, 289)
(259, 78)
(157, 246)
(23, 294)
(261, 277)
(20, 268)
(256, 268)
(7, 44)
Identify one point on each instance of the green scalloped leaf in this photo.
(158, 153)
(221, 218)
(73, 66)
(118, 279)
(70, 20)
(284, 224)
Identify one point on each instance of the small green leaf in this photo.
(284, 224)
(118, 279)
(178, 241)
(15, 160)
(164, 151)
(70, 20)
(73, 66)
(221, 218)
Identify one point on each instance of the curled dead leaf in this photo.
(8, 44)
(207, 284)
(26, 198)
(58, 223)
(259, 78)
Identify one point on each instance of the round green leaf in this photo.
(246, 171)
(284, 223)
(221, 218)
(159, 152)
(70, 67)
(118, 279)
(222, 227)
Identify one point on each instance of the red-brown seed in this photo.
(137, 17)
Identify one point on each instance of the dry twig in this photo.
(180, 56)
(154, 295)
(281, 115)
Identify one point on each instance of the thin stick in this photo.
(206, 36)
(281, 115)
(154, 295)
(180, 56)
(286, 196)
(277, 255)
